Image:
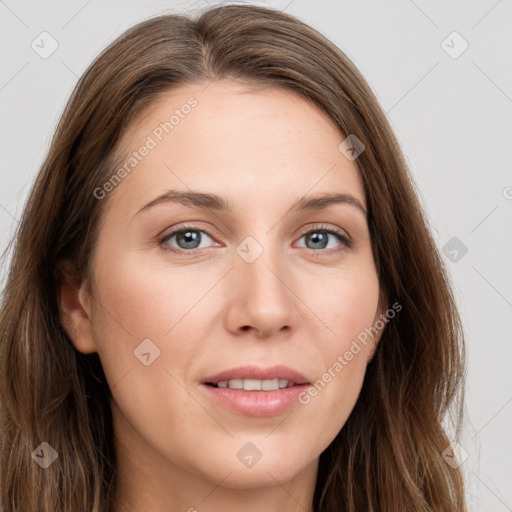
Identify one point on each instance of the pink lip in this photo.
(256, 372)
(256, 403)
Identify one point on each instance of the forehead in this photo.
(247, 142)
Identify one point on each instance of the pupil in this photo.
(319, 239)
(190, 239)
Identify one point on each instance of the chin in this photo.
(279, 467)
(254, 478)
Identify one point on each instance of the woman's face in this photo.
(253, 280)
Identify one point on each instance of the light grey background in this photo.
(452, 116)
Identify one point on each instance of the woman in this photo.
(223, 292)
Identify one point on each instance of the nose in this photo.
(262, 298)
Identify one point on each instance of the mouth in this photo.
(253, 384)
(255, 378)
(254, 391)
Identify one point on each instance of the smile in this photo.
(254, 384)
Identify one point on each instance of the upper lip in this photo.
(258, 373)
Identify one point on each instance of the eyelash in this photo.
(338, 233)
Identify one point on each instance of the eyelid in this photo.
(185, 227)
(329, 229)
(343, 237)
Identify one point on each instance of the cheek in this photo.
(346, 304)
(139, 301)
(144, 318)
(347, 308)
(145, 300)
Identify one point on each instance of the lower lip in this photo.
(256, 403)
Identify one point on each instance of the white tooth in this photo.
(236, 384)
(269, 385)
(256, 384)
(252, 385)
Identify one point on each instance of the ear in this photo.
(74, 303)
(379, 319)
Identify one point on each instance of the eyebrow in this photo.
(207, 201)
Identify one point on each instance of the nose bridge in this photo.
(263, 288)
(263, 274)
(259, 261)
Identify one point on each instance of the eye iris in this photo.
(191, 239)
(319, 239)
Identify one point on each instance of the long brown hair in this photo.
(388, 455)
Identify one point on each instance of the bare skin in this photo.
(207, 309)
